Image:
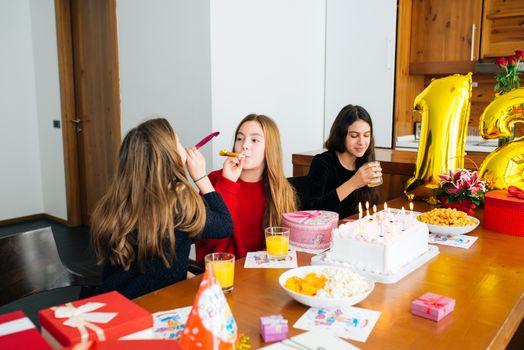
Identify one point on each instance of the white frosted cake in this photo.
(379, 246)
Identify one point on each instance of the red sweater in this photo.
(246, 202)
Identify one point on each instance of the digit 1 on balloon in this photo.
(444, 106)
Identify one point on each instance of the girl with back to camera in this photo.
(338, 179)
(143, 227)
(253, 186)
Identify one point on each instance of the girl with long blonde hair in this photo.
(143, 227)
(253, 186)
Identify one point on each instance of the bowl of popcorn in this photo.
(448, 221)
(324, 286)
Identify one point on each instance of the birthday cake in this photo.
(377, 244)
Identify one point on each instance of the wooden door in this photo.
(445, 36)
(88, 59)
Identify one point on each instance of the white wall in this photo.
(267, 57)
(360, 61)
(20, 174)
(204, 64)
(164, 57)
(47, 88)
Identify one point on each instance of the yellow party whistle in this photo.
(226, 153)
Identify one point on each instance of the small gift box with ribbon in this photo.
(310, 230)
(108, 316)
(432, 306)
(18, 332)
(273, 328)
(504, 211)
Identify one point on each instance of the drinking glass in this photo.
(377, 181)
(277, 242)
(223, 265)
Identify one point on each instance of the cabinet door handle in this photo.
(473, 30)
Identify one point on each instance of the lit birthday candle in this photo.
(411, 210)
(385, 211)
(380, 224)
(359, 217)
(403, 218)
(374, 212)
(367, 210)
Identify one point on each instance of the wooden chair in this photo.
(31, 270)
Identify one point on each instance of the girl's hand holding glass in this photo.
(367, 173)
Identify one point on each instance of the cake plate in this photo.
(405, 270)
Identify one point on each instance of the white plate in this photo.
(322, 302)
(453, 230)
(389, 278)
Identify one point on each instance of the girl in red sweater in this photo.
(253, 186)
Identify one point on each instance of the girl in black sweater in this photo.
(143, 227)
(338, 178)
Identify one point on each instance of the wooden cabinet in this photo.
(444, 36)
(502, 28)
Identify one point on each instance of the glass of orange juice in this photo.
(223, 265)
(277, 242)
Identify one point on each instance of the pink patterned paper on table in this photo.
(458, 241)
(349, 322)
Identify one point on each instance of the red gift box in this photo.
(103, 317)
(432, 306)
(503, 214)
(18, 332)
(151, 344)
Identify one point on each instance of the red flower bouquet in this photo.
(461, 189)
(508, 79)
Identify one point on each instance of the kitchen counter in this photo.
(397, 167)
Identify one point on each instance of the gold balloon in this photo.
(444, 106)
(505, 165)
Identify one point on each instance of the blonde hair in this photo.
(149, 198)
(280, 195)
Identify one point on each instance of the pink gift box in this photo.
(273, 328)
(310, 230)
(18, 332)
(103, 317)
(432, 306)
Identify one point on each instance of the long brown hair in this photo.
(149, 198)
(280, 195)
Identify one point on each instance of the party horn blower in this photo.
(206, 139)
(226, 153)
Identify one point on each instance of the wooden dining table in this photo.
(486, 280)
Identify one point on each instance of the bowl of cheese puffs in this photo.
(448, 221)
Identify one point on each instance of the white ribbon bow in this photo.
(275, 322)
(81, 317)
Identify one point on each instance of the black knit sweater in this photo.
(325, 175)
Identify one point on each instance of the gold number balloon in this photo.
(444, 106)
(505, 165)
